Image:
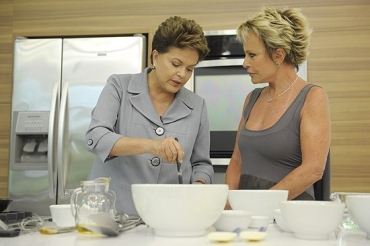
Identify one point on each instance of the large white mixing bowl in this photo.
(179, 210)
(259, 202)
(314, 220)
(359, 208)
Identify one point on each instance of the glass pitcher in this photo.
(91, 198)
(347, 221)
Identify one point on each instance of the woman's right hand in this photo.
(169, 149)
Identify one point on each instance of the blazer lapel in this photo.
(180, 108)
(140, 98)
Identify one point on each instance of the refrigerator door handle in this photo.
(63, 142)
(52, 133)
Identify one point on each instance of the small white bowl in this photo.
(359, 208)
(259, 202)
(259, 221)
(232, 219)
(61, 214)
(280, 220)
(314, 220)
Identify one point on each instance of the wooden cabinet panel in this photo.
(4, 147)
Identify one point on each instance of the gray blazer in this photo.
(125, 109)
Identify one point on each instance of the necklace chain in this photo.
(272, 99)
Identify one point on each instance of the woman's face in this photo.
(257, 61)
(174, 68)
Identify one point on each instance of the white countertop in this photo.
(141, 236)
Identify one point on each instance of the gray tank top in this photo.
(272, 153)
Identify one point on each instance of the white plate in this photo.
(221, 236)
(253, 235)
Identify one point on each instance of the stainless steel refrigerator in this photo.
(56, 84)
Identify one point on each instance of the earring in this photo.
(277, 64)
(153, 67)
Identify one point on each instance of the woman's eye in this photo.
(175, 65)
(252, 55)
(190, 70)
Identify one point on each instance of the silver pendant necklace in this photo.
(272, 99)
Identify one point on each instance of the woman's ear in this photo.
(154, 56)
(278, 56)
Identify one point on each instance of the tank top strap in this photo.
(299, 101)
(307, 88)
(252, 100)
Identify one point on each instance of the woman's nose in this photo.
(246, 64)
(181, 72)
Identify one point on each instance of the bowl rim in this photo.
(60, 206)
(177, 185)
(358, 196)
(236, 212)
(259, 191)
(312, 202)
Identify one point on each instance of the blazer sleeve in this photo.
(101, 136)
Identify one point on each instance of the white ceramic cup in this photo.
(62, 215)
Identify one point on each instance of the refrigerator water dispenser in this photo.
(31, 140)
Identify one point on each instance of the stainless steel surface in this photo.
(179, 173)
(102, 230)
(220, 32)
(42, 69)
(220, 161)
(221, 63)
(52, 137)
(63, 142)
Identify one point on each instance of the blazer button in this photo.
(155, 161)
(159, 131)
(90, 142)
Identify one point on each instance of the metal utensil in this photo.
(102, 224)
(103, 230)
(130, 224)
(179, 173)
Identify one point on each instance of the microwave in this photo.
(224, 84)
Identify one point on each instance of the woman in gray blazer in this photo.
(139, 117)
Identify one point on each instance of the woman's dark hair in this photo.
(180, 33)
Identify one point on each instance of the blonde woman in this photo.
(284, 133)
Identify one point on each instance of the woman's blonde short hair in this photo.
(287, 29)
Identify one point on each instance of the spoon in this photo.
(103, 230)
(102, 224)
(179, 173)
(103, 219)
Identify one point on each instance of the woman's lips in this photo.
(176, 82)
